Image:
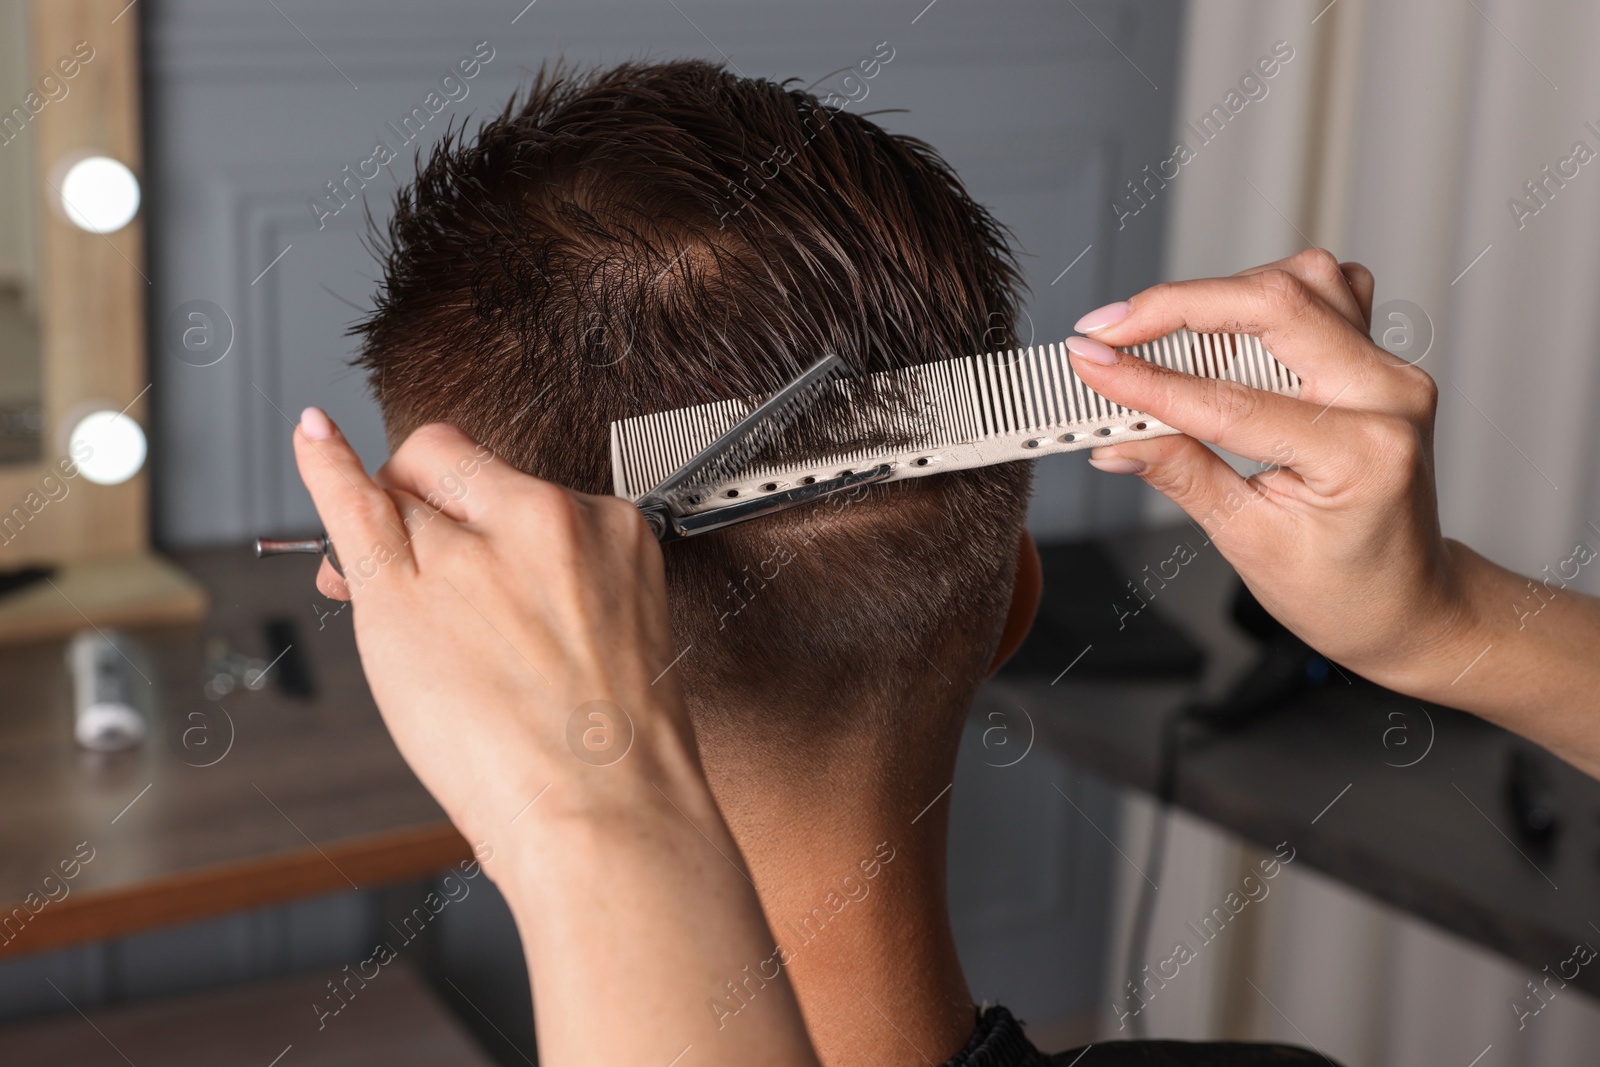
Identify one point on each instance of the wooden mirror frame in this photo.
(93, 293)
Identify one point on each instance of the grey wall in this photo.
(1044, 108)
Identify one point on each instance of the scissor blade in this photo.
(731, 452)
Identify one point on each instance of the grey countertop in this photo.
(1421, 820)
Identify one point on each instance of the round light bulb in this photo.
(108, 446)
(99, 194)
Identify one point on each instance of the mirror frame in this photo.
(93, 290)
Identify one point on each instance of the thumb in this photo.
(1187, 472)
(361, 519)
(1361, 284)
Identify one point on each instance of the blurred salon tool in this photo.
(1535, 812)
(973, 411)
(1286, 666)
(106, 713)
(22, 578)
(228, 669)
(287, 651)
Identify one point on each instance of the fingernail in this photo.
(315, 424)
(1117, 465)
(1091, 350)
(1100, 318)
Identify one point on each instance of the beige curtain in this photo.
(1402, 135)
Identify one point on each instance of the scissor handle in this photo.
(669, 526)
(320, 546)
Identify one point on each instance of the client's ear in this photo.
(1024, 601)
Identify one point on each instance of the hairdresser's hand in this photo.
(488, 605)
(1339, 535)
(516, 639)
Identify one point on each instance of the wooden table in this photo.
(313, 798)
(300, 797)
(394, 1020)
(1327, 771)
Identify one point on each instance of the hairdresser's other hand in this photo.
(516, 639)
(1338, 534)
(488, 605)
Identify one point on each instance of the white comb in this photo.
(976, 411)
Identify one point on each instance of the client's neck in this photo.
(845, 843)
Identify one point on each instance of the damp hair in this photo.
(637, 238)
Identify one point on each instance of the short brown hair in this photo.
(598, 251)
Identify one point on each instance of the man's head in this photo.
(654, 236)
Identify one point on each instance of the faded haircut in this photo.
(644, 237)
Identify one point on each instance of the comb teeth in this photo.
(734, 460)
(974, 411)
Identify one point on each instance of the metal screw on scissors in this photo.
(266, 546)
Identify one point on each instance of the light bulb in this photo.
(109, 447)
(99, 194)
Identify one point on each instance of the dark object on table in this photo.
(1089, 600)
(284, 649)
(1328, 774)
(1287, 666)
(22, 578)
(1534, 810)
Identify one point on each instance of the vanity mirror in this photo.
(74, 386)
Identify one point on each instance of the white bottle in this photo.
(106, 717)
